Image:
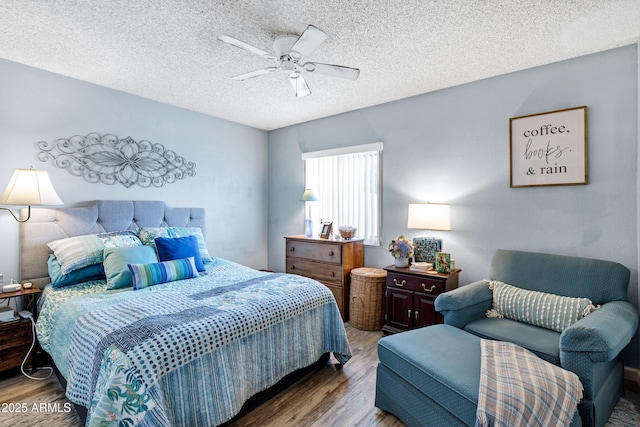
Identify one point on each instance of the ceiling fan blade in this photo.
(307, 43)
(244, 46)
(332, 70)
(252, 74)
(299, 84)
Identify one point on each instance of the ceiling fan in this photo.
(290, 54)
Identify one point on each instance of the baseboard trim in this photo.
(632, 377)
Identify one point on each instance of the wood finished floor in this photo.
(331, 396)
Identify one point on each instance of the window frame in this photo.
(355, 149)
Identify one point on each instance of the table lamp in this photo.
(428, 216)
(308, 196)
(29, 187)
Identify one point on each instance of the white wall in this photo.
(231, 159)
(452, 146)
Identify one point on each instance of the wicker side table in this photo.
(366, 306)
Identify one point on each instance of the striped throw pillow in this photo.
(541, 309)
(145, 275)
(74, 253)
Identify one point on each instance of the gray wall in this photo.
(452, 146)
(231, 159)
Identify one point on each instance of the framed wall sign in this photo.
(549, 148)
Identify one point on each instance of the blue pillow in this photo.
(116, 261)
(145, 275)
(86, 274)
(170, 248)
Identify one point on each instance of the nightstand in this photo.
(16, 336)
(410, 298)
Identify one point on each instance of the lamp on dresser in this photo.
(29, 187)
(428, 216)
(308, 196)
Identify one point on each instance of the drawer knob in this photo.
(293, 267)
(333, 274)
(330, 253)
(292, 248)
(399, 284)
(431, 289)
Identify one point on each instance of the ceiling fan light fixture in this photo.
(289, 52)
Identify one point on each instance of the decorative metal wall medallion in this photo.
(110, 160)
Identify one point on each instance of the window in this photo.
(347, 182)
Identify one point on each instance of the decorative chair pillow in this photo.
(78, 252)
(117, 260)
(541, 309)
(145, 275)
(148, 235)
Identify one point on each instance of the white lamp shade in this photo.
(309, 196)
(30, 187)
(429, 216)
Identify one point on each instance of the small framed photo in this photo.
(443, 262)
(326, 230)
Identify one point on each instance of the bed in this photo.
(187, 352)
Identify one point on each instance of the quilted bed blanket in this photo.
(517, 388)
(189, 352)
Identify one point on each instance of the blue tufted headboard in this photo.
(46, 225)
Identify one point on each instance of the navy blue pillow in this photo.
(170, 248)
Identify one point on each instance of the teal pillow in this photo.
(541, 309)
(116, 261)
(86, 274)
(145, 275)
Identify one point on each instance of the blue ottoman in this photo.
(430, 377)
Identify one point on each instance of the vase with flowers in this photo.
(401, 249)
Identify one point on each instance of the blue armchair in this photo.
(590, 347)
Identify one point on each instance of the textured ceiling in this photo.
(167, 50)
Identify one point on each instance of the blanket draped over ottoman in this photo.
(517, 388)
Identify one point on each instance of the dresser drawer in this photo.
(326, 252)
(321, 272)
(415, 283)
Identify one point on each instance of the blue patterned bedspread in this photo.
(189, 352)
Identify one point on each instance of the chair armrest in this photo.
(465, 304)
(602, 334)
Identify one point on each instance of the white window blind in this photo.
(347, 182)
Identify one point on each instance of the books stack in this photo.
(6, 314)
(421, 266)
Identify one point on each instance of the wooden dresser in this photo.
(327, 261)
(410, 298)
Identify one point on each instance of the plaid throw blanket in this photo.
(517, 388)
